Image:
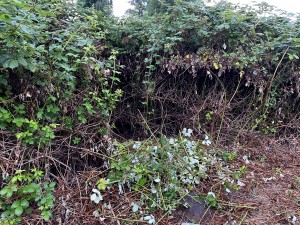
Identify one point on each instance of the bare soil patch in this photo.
(272, 191)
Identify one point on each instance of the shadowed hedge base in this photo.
(232, 62)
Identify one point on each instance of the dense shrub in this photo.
(55, 68)
(193, 58)
(72, 77)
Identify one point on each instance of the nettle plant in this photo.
(24, 193)
(163, 171)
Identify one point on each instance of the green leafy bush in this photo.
(193, 50)
(53, 69)
(18, 196)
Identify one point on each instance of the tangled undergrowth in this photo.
(162, 172)
(99, 105)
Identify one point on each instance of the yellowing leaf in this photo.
(102, 184)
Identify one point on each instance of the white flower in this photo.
(153, 205)
(150, 219)
(206, 141)
(221, 175)
(137, 145)
(135, 207)
(187, 132)
(96, 196)
(107, 206)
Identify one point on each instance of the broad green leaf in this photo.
(5, 17)
(11, 63)
(29, 188)
(16, 204)
(24, 203)
(22, 61)
(4, 191)
(19, 121)
(19, 211)
(31, 67)
(142, 181)
(46, 215)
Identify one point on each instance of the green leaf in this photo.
(19, 121)
(52, 185)
(5, 17)
(22, 61)
(40, 113)
(4, 191)
(142, 181)
(46, 215)
(29, 188)
(9, 193)
(11, 63)
(101, 184)
(16, 204)
(19, 211)
(31, 67)
(24, 203)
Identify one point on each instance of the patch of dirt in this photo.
(196, 211)
(272, 191)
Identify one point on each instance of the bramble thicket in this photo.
(140, 104)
